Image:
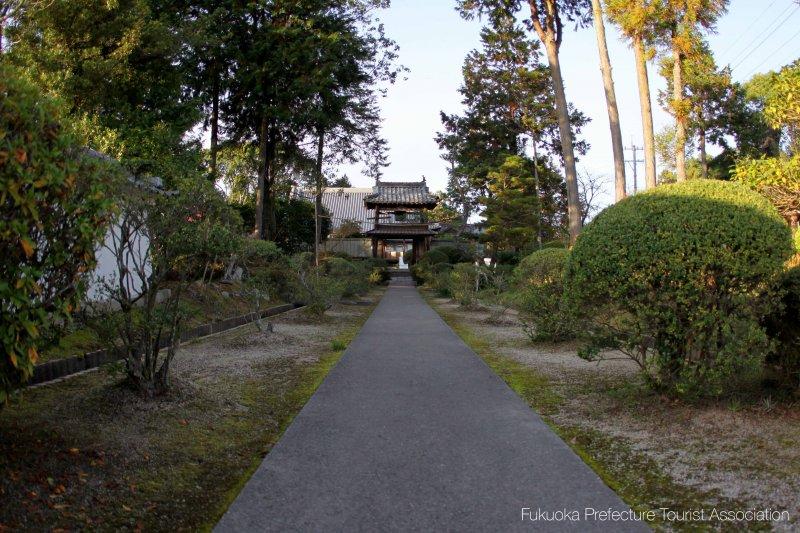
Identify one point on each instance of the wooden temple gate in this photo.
(407, 201)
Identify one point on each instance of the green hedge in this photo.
(679, 278)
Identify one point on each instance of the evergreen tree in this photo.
(116, 65)
(509, 107)
(547, 18)
(524, 205)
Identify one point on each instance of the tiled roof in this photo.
(401, 193)
(344, 203)
(399, 230)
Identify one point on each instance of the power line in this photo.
(766, 30)
(752, 25)
(767, 36)
(781, 47)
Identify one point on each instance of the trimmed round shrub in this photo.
(259, 253)
(539, 282)
(542, 267)
(679, 278)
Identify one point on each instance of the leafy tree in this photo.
(354, 57)
(686, 19)
(766, 167)
(294, 61)
(296, 228)
(54, 212)
(777, 178)
(710, 99)
(782, 108)
(116, 66)
(238, 171)
(341, 182)
(206, 58)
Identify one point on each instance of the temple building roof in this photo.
(400, 194)
(399, 230)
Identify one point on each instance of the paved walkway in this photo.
(412, 431)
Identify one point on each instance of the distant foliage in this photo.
(354, 276)
(454, 254)
(679, 279)
(54, 210)
(295, 230)
(777, 178)
(538, 295)
(782, 108)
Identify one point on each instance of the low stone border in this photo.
(60, 368)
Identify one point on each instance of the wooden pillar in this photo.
(374, 247)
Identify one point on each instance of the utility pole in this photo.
(634, 162)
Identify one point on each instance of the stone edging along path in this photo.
(60, 368)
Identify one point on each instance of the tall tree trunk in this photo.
(318, 182)
(539, 223)
(703, 155)
(562, 111)
(680, 115)
(647, 113)
(214, 122)
(611, 102)
(262, 178)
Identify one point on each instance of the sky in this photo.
(754, 36)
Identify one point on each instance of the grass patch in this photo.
(637, 479)
(87, 453)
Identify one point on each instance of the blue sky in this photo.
(754, 36)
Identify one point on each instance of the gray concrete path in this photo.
(412, 431)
